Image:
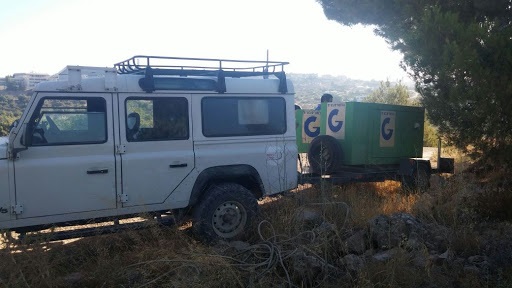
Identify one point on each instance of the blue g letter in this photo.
(386, 133)
(339, 124)
(308, 132)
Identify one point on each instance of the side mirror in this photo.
(14, 124)
(26, 138)
(15, 149)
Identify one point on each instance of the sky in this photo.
(46, 35)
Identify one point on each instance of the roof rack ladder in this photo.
(283, 87)
(221, 82)
(147, 83)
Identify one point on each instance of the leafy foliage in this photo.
(13, 85)
(397, 94)
(460, 55)
(11, 107)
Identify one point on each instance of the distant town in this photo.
(28, 81)
(308, 87)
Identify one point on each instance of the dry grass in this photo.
(154, 257)
(283, 252)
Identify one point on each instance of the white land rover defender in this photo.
(152, 135)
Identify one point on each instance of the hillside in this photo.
(309, 88)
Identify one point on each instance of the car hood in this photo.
(3, 147)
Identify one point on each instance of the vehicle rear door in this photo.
(157, 146)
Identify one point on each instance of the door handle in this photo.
(178, 165)
(100, 171)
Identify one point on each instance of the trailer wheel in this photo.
(419, 180)
(324, 155)
(226, 212)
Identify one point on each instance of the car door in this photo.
(158, 152)
(69, 163)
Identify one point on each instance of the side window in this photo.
(243, 116)
(69, 121)
(156, 119)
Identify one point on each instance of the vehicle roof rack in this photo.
(180, 66)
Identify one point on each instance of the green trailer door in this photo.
(377, 134)
(397, 133)
(357, 135)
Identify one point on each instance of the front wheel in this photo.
(226, 212)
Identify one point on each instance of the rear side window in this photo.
(243, 116)
(156, 119)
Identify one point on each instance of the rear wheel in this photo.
(226, 212)
(324, 155)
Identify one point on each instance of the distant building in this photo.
(29, 80)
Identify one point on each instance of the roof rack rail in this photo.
(220, 68)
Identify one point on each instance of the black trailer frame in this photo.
(406, 170)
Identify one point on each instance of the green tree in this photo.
(460, 55)
(6, 119)
(397, 94)
(13, 85)
(11, 108)
(430, 134)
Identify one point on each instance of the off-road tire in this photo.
(324, 155)
(226, 212)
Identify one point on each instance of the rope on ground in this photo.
(274, 250)
(265, 256)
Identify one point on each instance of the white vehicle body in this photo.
(61, 173)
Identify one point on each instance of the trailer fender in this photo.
(409, 165)
(446, 165)
(415, 174)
